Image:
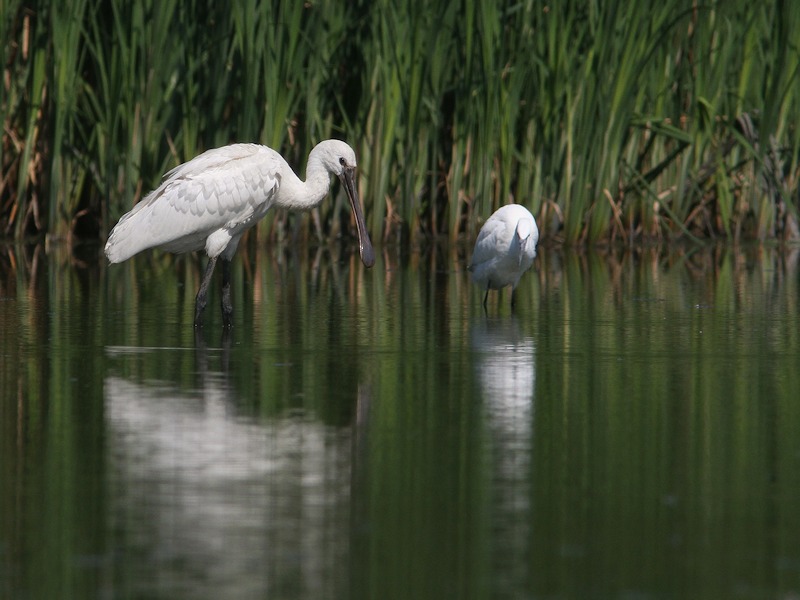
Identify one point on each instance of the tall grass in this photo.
(610, 121)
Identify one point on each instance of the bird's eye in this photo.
(342, 161)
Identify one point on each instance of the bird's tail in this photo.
(127, 239)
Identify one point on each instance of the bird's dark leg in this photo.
(513, 297)
(227, 306)
(200, 300)
(485, 298)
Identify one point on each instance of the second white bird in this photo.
(505, 249)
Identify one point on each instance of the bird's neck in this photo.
(305, 195)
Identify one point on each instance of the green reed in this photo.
(646, 120)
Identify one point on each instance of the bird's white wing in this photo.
(494, 236)
(226, 188)
(491, 247)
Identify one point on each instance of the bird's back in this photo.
(222, 191)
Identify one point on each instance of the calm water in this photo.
(631, 430)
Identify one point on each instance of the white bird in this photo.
(210, 201)
(505, 249)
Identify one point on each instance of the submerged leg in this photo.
(200, 300)
(486, 295)
(227, 306)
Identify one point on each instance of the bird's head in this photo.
(336, 156)
(524, 229)
(340, 159)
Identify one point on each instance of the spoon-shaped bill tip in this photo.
(367, 253)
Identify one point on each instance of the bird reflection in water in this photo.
(506, 371)
(221, 503)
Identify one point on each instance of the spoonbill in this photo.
(504, 250)
(208, 202)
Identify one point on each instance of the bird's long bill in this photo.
(348, 179)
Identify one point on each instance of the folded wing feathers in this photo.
(219, 189)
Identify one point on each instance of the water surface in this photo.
(630, 429)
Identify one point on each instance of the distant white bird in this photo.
(210, 201)
(505, 249)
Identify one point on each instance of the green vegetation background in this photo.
(649, 119)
